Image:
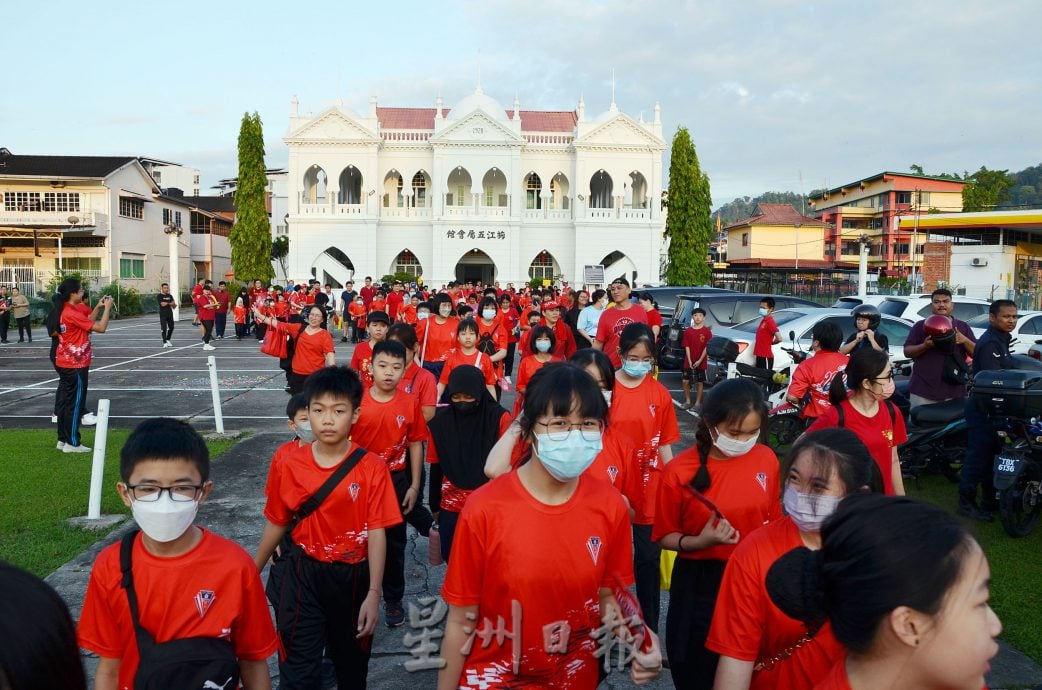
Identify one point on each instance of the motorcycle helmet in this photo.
(942, 330)
(866, 311)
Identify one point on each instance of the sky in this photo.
(777, 96)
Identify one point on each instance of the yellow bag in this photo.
(665, 568)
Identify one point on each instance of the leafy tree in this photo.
(689, 226)
(916, 169)
(280, 253)
(251, 235)
(743, 207)
(986, 189)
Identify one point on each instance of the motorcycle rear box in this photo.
(722, 349)
(1009, 393)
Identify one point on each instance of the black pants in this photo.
(166, 323)
(54, 355)
(207, 331)
(24, 329)
(295, 382)
(447, 521)
(70, 403)
(316, 610)
(982, 444)
(765, 362)
(5, 324)
(220, 323)
(435, 368)
(259, 330)
(646, 555)
(240, 331)
(397, 537)
(508, 361)
(692, 598)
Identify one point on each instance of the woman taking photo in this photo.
(313, 345)
(545, 541)
(642, 410)
(868, 412)
(759, 646)
(437, 334)
(905, 589)
(712, 496)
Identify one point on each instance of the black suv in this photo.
(666, 297)
(723, 310)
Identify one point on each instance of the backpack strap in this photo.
(890, 409)
(126, 550)
(842, 418)
(315, 500)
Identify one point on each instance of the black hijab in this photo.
(463, 439)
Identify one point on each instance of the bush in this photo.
(401, 276)
(57, 278)
(127, 301)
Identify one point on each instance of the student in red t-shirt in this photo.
(492, 325)
(814, 376)
(543, 347)
(524, 346)
(694, 341)
(647, 303)
(300, 424)
(462, 432)
(207, 305)
(395, 300)
(749, 632)
(509, 317)
(189, 581)
(546, 541)
(562, 331)
(376, 326)
(239, 313)
(72, 322)
(739, 477)
(437, 334)
(325, 585)
(313, 346)
(642, 410)
(466, 352)
(416, 381)
(907, 596)
(613, 320)
(869, 413)
(391, 425)
(767, 335)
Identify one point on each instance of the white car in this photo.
(918, 307)
(800, 322)
(1026, 333)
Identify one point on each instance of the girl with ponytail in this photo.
(905, 589)
(710, 497)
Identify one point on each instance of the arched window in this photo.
(533, 187)
(542, 267)
(314, 186)
(350, 186)
(406, 262)
(638, 191)
(420, 185)
(459, 184)
(601, 190)
(393, 190)
(559, 191)
(494, 188)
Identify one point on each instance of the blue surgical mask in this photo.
(808, 511)
(488, 314)
(763, 311)
(422, 315)
(304, 432)
(542, 345)
(636, 369)
(567, 459)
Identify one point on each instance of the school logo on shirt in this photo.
(400, 419)
(652, 408)
(761, 479)
(203, 601)
(353, 489)
(613, 472)
(593, 545)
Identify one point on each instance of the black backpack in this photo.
(486, 345)
(190, 662)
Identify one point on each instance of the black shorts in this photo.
(694, 375)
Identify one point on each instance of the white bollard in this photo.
(97, 468)
(215, 390)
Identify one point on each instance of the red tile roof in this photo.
(778, 214)
(423, 118)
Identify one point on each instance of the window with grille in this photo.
(21, 201)
(408, 263)
(542, 267)
(61, 202)
(131, 266)
(131, 208)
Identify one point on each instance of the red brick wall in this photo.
(937, 263)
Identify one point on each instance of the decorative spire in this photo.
(658, 113)
(294, 105)
(438, 105)
(372, 106)
(613, 108)
(517, 106)
(581, 110)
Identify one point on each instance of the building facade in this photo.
(473, 193)
(779, 232)
(871, 207)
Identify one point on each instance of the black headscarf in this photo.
(464, 439)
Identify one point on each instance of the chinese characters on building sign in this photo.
(476, 234)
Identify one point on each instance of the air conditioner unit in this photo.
(979, 261)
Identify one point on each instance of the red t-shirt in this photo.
(610, 327)
(387, 428)
(564, 345)
(281, 453)
(645, 415)
(361, 358)
(509, 318)
(310, 349)
(879, 434)
(654, 318)
(815, 375)
(223, 298)
(368, 293)
(452, 497)
(436, 339)
(457, 358)
(499, 330)
(281, 309)
(74, 348)
(525, 371)
(694, 341)
(746, 490)
(214, 590)
(764, 344)
(420, 384)
(514, 554)
(208, 305)
(338, 531)
(395, 300)
(408, 314)
(748, 626)
(240, 314)
(617, 465)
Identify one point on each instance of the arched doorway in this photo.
(476, 266)
(544, 267)
(350, 186)
(406, 262)
(333, 266)
(618, 265)
(314, 191)
(601, 187)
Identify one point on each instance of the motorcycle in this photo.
(784, 421)
(936, 440)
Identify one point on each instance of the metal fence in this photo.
(22, 277)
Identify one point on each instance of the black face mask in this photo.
(465, 407)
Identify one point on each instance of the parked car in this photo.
(918, 307)
(1026, 333)
(723, 309)
(801, 322)
(666, 297)
(851, 301)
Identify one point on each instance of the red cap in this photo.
(549, 304)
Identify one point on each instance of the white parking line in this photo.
(165, 389)
(149, 416)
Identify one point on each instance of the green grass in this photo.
(1016, 568)
(40, 487)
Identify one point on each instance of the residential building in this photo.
(475, 192)
(172, 175)
(777, 235)
(871, 206)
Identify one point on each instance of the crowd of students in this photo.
(787, 575)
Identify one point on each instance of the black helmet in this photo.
(866, 311)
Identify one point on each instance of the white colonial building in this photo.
(474, 193)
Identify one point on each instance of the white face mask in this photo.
(808, 511)
(488, 314)
(166, 519)
(732, 447)
(304, 432)
(607, 397)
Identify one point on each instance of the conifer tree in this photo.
(250, 238)
(688, 223)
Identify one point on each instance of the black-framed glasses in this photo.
(150, 493)
(888, 377)
(558, 428)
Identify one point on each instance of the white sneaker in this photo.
(61, 445)
(54, 419)
(209, 347)
(167, 343)
(69, 448)
(88, 419)
(508, 379)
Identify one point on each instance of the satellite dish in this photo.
(73, 220)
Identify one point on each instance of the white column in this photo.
(175, 270)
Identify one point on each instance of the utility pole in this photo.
(862, 273)
(915, 236)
